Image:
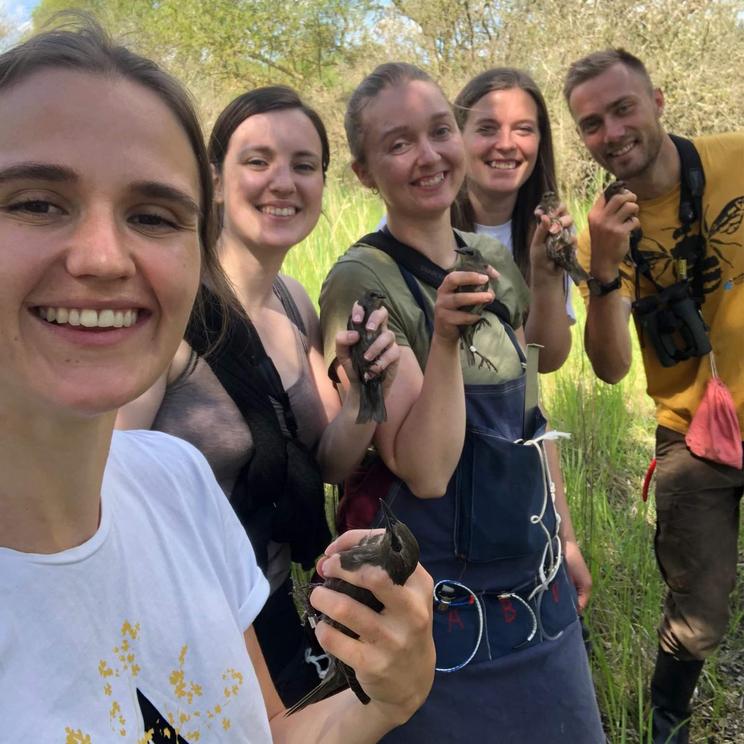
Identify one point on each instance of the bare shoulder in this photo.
(302, 300)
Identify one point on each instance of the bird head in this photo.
(372, 300)
(403, 553)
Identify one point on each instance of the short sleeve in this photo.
(244, 580)
(358, 271)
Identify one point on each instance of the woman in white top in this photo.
(510, 165)
(128, 585)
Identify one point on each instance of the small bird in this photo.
(617, 187)
(471, 259)
(396, 551)
(559, 245)
(371, 396)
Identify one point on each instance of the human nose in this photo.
(98, 248)
(504, 140)
(282, 181)
(427, 152)
(614, 129)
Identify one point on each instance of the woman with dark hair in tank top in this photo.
(269, 154)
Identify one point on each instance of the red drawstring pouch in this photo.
(714, 432)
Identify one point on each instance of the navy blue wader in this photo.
(511, 662)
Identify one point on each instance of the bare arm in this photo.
(547, 322)
(577, 569)
(393, 658)
(422, 440)
(344, 442)
(607, 335)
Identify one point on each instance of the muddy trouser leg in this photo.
(697, 505)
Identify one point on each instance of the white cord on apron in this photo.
(447, 602)
(546, 578)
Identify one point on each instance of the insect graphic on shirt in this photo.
(727, 223)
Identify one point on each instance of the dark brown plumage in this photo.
(471, 259)
(371, 395)
(397, 552)
(559, 246)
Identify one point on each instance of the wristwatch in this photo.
(600, 289)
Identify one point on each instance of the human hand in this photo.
(393, 657)
(578, 573)
(456, 307)
(553, 240)
(380, 356)
(611, 221)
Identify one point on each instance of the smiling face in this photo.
(412, 150)
(502, 139)
(99, 198)
(271, 181)
(617, 117)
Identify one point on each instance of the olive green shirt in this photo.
(363, 268)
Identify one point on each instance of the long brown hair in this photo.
(81, 44)
(541, 179)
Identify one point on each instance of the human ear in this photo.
(363, 174)
(219, 196)
(659, 101)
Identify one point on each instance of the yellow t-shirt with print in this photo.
(677, 390)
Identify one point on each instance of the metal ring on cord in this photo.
(440, 600)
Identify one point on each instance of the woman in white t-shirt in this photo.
(128, 585)
(510, 165)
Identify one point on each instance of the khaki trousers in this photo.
(697, 506)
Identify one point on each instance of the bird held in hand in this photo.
(559, 244)
(396, 551)
(617, 187)
(371, 394)
(471, 259)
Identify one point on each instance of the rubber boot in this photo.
(672, 687)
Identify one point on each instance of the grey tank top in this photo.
(198, 409)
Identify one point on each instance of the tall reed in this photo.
(603, 466)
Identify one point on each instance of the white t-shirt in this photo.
(140, 627)
(503, 234)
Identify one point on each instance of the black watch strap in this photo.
(600, 289)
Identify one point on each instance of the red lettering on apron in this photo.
(556, 592)
(453, 618)
(508, 610)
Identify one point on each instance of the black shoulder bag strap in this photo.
(422, 268)
(240, 363)
(234, 362)
(692, 186)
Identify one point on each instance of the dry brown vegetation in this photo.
(694, 50)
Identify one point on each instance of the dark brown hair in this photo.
(383, 76)
(541, 179)
(596, 63)
(80, 44)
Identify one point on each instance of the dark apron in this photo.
(510, 658)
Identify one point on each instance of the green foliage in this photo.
(603, 466)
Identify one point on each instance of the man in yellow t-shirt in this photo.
(617, 112)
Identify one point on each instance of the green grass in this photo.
(603, 466)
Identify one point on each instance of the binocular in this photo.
(672, 322)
